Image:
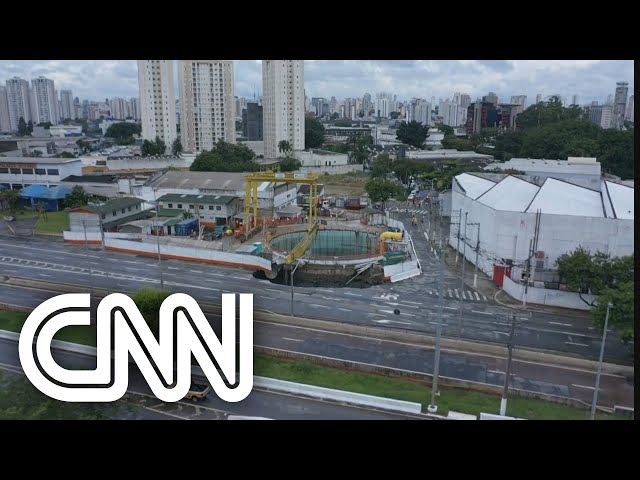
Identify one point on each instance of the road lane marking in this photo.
(240, 278)
(268, 298)
(502, 323)
(195, 271)
(319, 306)
(496, 371)
(272, 290)
(483, 313)
(577, 344)
(44, 275)
(173, 268)
(578, 335)
(325, 290)
(477, 296)
(378, 314)
(501, 333)
(353, 294)
(562, 324)
(344, 309)
(293, 339)
(586, 386)
(303, 294)
(392, 321)
(416, 303)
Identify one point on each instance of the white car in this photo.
(411, 197)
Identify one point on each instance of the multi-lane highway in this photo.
(260, 403)
(415, 299)
(475, 367)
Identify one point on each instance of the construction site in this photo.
(343, 248)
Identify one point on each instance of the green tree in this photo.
(9, 199)
(394, 115)
(176, 147)
(289, 164)
(284, 147)
(36, 153)
(412, 133)
(225, 157)
(123, 132)
(335, 116)
(446, 129)
(83, 145)
(381, 166)
(161, 148)
(20, 400)
(148, 301)
(313, 133)
(381, 190)
(65, 155)
(77, 198)
(23, 129)
(609, 279)
(187, 215)
(30, 127)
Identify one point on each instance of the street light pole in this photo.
(475, 275)
(104, 258)
(158, 240)
(433, 408)
(464, 250)
(604, 339)
(459, 226)
(86, 249)
(293, 270)
(503, 401)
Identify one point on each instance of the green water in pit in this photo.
(331, 243)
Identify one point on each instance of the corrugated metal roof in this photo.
(622, 200)
(563, 198)
(511, 194)
(474, 186)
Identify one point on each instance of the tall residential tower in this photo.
(157, 100)
(282, 104)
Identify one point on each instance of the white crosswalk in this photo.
(455, 293)
(414, 211)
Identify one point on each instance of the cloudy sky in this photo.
(589, 79)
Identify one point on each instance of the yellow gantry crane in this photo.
(252, 182)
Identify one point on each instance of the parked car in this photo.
(394, 229)
(9, 218)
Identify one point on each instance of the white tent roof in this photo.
(511, 194)
(563, 198)
(621, 199)
(474, 186)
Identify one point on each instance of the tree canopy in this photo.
(77, 197)
(148, 301)
(225, 157)
(381, 166)
(65, 155)
(412, 133)
(381, 190)
(610, 279)
(549, 130)
(289, 164)
(176, 146)
(284, 147)
(123, 132)
(156, 148)
(23, 129)
(313, 133)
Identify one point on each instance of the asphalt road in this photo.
(259, 403)
(529, 376)
(416, 299)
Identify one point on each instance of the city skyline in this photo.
(590, 80)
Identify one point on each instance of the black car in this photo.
(394, 229)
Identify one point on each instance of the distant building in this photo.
(620, 103)
(109, 214)
(481, 115)
(46, 102)
(118, 108)
(68, 107)
(252, 122)
(207, 104)
(321, 161)
(491, 98)
(628, 113)
(19, 101)
(538, 98)
(19, 172)
(283, 105)
(520, 100)
(601, 115)
(157, 100)
(5, 124)
(508, 114)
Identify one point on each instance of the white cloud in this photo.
(590, 79)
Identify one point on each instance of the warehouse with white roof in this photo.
(570, 216)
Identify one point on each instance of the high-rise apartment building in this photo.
(520, 100)
(620, 104)
(118, 108)
(46, 102)
(601, 115)
(19, 101)
(207, 103)
(628, 113)
(252, 122)
(367, 106)
(68, 109)
(134, 108)
(157, 100)
(282, 104)
(5, 125)
(538, 98)
(491, 98)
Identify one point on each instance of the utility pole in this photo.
(104, 258)
(604, 339)
(475, 274)
(293, 270)
(464, 250)
(86, 249)
(433, 408)
(526, 275)
(503, 401)
(459, 225)
(158, 240)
